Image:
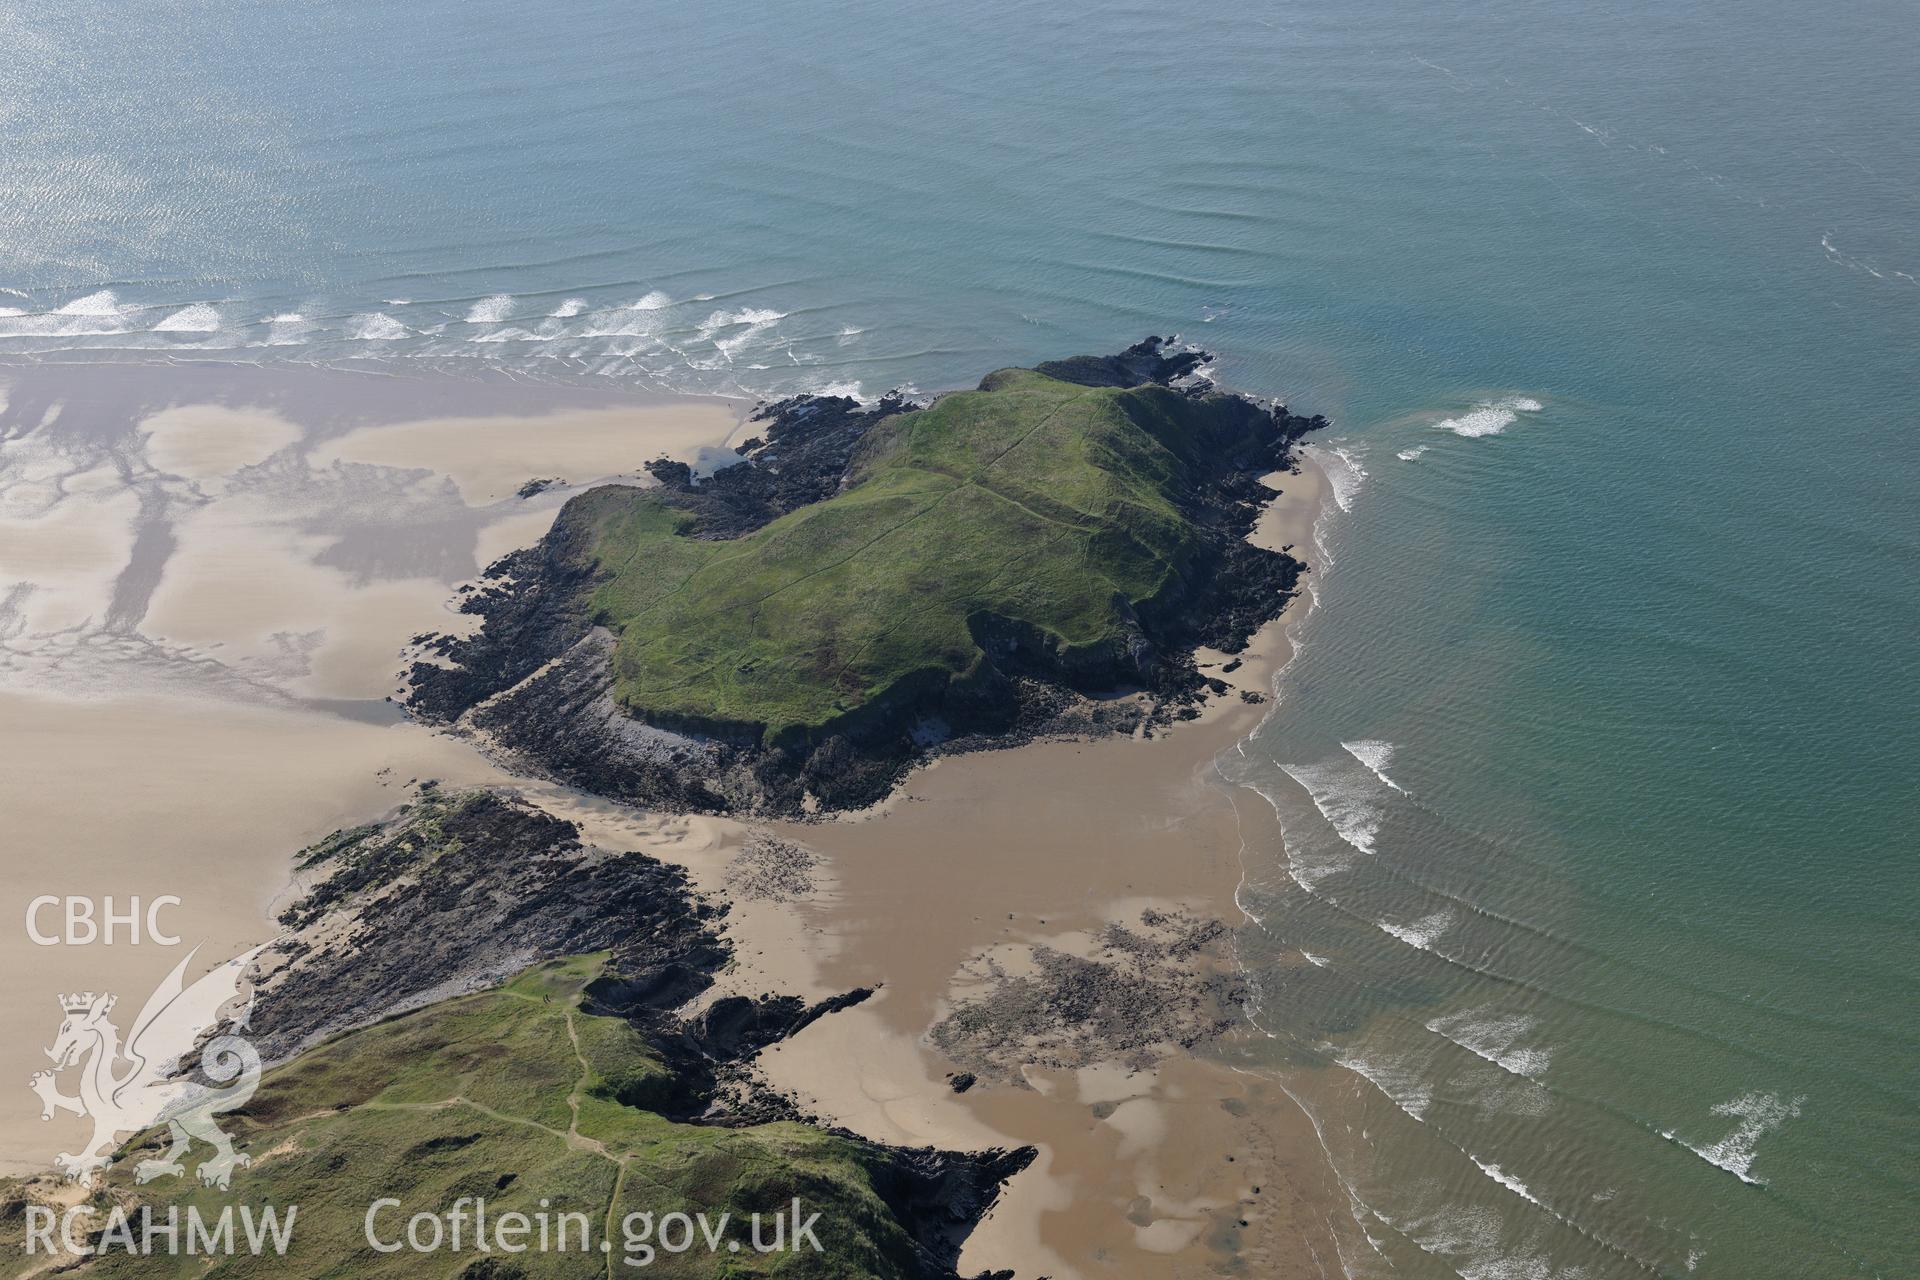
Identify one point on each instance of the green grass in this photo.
(518, 1096)
(1032, 500)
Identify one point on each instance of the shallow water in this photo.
(1614, 307)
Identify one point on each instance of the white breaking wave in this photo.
(96, 314)
(571, 307)
(638, 319)
(198, 318)
(1493, 1035)
(1421, 933)
(750, 321)
(1507, 1180)
(1376, 755)
(490, 310)
(1353, 814)
(375, 326)
(1400, 1086)
(286, 330)
(1759, 1114)
(94, 304)
(1408, 455)
(1318, 962)
(1490, 417)
(1346, 476)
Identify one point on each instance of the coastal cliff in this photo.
(471, 1000)
(870, 585)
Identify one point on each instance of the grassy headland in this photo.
(935, 571)
(527, 1098)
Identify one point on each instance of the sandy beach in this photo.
(1181, 1167)
(209, 596)
(207, 576)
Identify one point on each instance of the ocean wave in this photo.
(750, 321)
(1759, 1114)
(1495, 1036)
(1345, 475)
(375, 326)
(287, 329)
(1318, 962)
(1354, 815)
(512, 335)
(1376, 755)
(638, 319)
(95, 315)
(1408, 455)
(1421, 933)
(201, 317)
(1507, 1180)
(1490, 417)
(491, 310)
(568, 309)
(1399, 1084)
(1470, 1240)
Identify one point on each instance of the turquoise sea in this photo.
(1592, 947)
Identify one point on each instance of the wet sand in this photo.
(206, 580)
(1142, 1172)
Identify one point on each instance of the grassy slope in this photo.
(515, 1095)
(1032, 499)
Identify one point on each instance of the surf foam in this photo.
(1759, 1114)
(1395, 1081)
(1376, 754)
(1353, 815)
(1506, 1180)
(1490, 417)
(375, 326)
(490, 310)
(1421, 933)
(1345, 476)
(1495, 1036)
(97, 314)
(201, 317)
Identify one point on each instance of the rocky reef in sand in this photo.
(470, 1001)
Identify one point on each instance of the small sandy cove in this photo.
(1177, 1166)
(206, 579)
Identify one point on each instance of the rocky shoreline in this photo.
(536, 683)
(457, 892)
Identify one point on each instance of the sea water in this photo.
(1590, 947)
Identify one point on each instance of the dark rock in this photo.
(564, 723)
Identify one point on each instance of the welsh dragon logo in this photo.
(135, 1085)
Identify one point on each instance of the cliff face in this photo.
(871, 584)
(472, 999)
